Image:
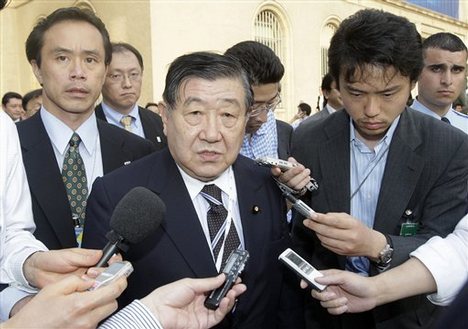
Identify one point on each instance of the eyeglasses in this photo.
(271, 105)
(119, 77)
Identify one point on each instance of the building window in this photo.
(327, 33)
(268, 31)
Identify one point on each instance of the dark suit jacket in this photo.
(151, 122)
(322, 114)
(284, 131)
(455, 317)
(51, 209)
(179, 249)
(426, 172)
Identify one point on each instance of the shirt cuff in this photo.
(8, 299)
(17, 269)
(448, 272)
(135, 315)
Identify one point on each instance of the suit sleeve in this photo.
(98, 213)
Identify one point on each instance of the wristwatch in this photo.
(385, 255)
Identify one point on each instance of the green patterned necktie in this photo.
(74, 178)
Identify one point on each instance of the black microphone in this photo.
(136, 216)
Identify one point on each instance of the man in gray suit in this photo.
(332, 101)
(389, 177)
(265, 136)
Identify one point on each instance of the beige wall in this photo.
(163, 30)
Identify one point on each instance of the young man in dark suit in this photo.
(207, 100)
(120, 94)
(389, 177)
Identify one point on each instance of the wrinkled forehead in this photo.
(210, 89)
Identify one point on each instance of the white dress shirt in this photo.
(227, 184)
(456, 119)
(17, 242)
(90, 146)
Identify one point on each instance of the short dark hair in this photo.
(445, 41)
(9, 95)
(30, 96)
(35, 40)
(203, 65)
(150, 104)
(326, 85)
(327, 82)
(377, 38)
(305, 108)
(259, 61)
(120, 47)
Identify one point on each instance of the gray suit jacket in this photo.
(426, 172)
(284, 131)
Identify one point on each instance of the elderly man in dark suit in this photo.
(206, 103)
(390, 178)
(120, 94)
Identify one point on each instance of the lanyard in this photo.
(370, 171)
(229, 221)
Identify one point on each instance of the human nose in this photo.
(77, 70)
(126, 81)
(446, 78)
(211, 129)
(372, 107)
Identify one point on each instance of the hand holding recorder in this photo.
(290, 173)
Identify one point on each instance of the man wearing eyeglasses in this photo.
(264, 135)
(120, 93)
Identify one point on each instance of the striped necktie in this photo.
(216, 218)
(76, 185)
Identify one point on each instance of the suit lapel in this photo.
(100, 113)
(252, 222)
(113, 150)
(181, 222)
(401, 176)
(335, 171)
(148, 128)
(45, 180)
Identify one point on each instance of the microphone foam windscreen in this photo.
(138, 214)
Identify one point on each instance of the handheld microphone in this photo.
(138, 214)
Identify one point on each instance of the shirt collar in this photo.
(387, 139)
(330, 109)
(194, 186)
(60, 134)
(421, 108)
(116, 116)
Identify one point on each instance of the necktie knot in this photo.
(75, 140)
(444, 119)
(212, 194)
(126, 122)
